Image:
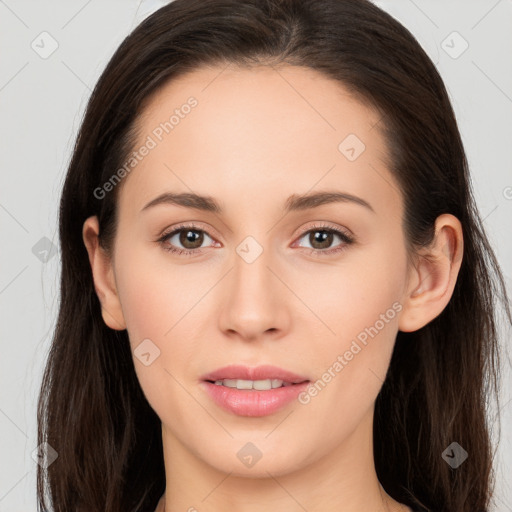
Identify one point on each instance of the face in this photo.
(314, 289)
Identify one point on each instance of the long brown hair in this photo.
(441, 378)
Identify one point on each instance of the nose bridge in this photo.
(253, 303)
(251, 276)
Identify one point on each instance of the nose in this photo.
(254, 299)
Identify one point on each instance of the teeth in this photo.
(260, 385)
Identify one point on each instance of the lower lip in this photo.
(246, 402)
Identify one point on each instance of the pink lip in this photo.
(258, 373)
(245, 402)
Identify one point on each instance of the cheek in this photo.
(154, 293)
(354, 295)
(361, 307)
(146, 303)
(158, 303)
(151, 308)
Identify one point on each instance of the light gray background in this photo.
(42, 101)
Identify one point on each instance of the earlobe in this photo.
(103, 276)
(433, 278)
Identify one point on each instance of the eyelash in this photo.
(347, 240)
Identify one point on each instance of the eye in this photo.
(321, 238)
(189, 237)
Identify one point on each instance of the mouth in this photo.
(259, 391)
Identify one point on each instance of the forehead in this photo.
(267, 104)
(267, 130)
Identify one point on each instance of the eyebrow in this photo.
(295, 202)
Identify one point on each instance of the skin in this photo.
(256, 137)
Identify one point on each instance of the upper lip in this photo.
(257, 373)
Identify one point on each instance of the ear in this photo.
(103, 276)
(432, 278)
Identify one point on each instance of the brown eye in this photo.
(191, 239)
(321, 239)
(184, 240)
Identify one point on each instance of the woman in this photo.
(204, 357)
